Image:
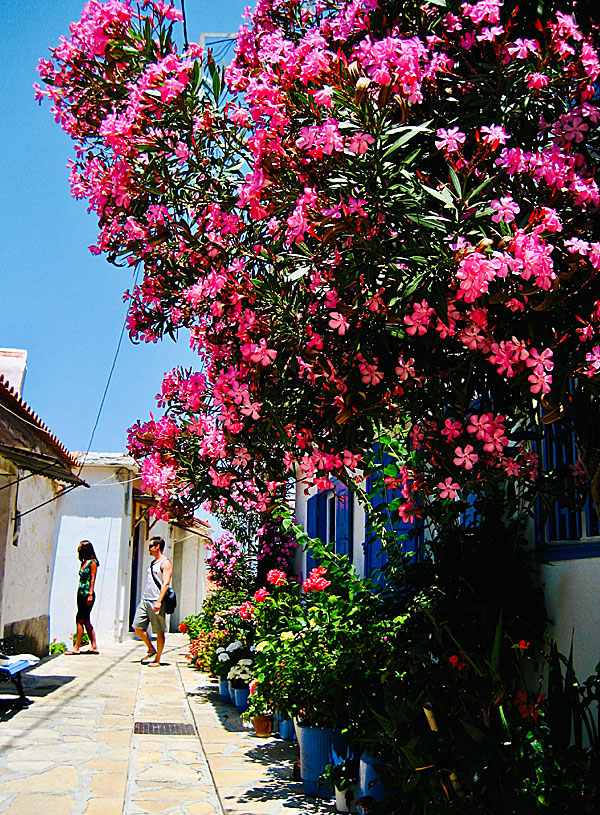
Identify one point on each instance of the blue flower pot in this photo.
(369, 780)
(224, 690)
(287, 730)
(231, 691)
(319, 746)
(241, 699)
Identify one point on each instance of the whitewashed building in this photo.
(114, 514)
(35, 468)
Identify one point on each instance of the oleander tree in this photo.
(379, 225)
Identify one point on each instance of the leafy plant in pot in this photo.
(342, 779)
(259, 711)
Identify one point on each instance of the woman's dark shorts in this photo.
(83, 609)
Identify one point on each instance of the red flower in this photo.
(458, 662)
(523, 645)
(528, 710)
(260, 595)
(315, 584)
(183, 628)
(246, 610)
(276, 577)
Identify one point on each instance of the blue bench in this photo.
(11, 672)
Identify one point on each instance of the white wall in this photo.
(189, 573)
(28, 565)
(572, 594)
(100, 515)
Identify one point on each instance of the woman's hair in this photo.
(85, 551)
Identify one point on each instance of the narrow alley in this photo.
(76, 749)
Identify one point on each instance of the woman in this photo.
(85, 597)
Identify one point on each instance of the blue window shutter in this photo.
(375, 555)
(343, 520)
(316, 523)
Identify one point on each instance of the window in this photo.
(565, 530)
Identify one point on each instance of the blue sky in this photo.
(57, 300)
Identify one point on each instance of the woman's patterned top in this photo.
(85, 577)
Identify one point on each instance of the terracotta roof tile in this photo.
(14, 403)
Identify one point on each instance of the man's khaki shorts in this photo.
(145, 616)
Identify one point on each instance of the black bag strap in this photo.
(154, 576)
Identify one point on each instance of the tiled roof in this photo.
(13, 402)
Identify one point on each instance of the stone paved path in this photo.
(74, 750)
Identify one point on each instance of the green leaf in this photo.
(410, 133)
(443, 195)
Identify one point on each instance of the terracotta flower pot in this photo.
(263, 725)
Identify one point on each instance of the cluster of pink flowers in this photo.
(299, 349)
(226, 556)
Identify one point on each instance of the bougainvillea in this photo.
(381, 217)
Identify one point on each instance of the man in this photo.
(150, 611)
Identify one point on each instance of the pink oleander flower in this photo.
(505, 209)
(466, 457)
(450, 140)
(451, 429)
(448, 488)
(594, 360)
(540, 381)
(520, 49)
(494, 135)
(276, 577)
(536, 81)
(338, 322)
(404, 369)
(577, 247)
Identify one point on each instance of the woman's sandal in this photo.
(72, 653)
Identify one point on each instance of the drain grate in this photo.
(164, 728)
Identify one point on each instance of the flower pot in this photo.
(319, 746)
(343, 796)
(224, 690)
(287, 730)
(231, 690)
(263, 725)
(369, 780)
(241, 699)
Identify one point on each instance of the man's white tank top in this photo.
(151, 590)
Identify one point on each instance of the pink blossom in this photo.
(448, 488)
(577, 247)
(594, 359)
(246, 610)
(359, 143)
(451, 429)
(338, 322)
(494, 135)
(450, 140)
(419, 321)
(465, 458)
(540, 381)
(522, 48)
(405, 369)
(536, 81)
(505, 209)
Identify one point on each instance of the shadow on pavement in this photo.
(35, 687)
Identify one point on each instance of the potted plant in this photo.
(342, 779)
(260, 711)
